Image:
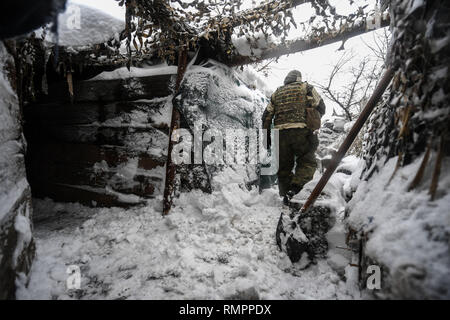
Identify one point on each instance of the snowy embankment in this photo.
(212, 246)
(408, 235)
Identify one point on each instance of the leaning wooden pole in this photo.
(376, 96)
(169, 187)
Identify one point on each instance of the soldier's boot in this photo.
(283, 185)
(293, 190)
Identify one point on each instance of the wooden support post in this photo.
(437, 169)
(169, 187)
(376, 96)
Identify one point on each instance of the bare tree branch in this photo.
(329, 92)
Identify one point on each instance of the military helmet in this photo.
(293, 76)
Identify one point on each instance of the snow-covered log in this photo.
(290, 47)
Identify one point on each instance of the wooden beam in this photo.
(303, 45)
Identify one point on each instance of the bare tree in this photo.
(381, 40)
(352, 95)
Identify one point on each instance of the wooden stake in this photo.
(397, 166)
(169, 187)
(376, 96)
(437, 170)
(420, 172)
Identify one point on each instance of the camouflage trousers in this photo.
(297, 149)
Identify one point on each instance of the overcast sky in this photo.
(315, 64)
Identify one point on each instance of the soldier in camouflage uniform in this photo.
(297, 142)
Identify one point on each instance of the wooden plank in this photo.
(110, 123)
(111, 90)
(87, 155)
(134, 137)
(73, 164)
(91, 112)
(300, 45)
(57, 113)
(67, 193)
(141, 184)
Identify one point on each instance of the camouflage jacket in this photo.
(288, 106)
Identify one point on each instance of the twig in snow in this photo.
(437, 170)
(420, 172)
(397, 165)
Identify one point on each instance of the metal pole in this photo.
(381, 87)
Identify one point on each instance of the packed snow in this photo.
(409, 234)
(82, 25)
(253, 48)
(211, 246)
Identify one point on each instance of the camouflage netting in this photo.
(166, 26)
(412, 125)
(417, 110)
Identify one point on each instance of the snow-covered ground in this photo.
(211, 246)
(409, 233)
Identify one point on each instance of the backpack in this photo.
(312, 115)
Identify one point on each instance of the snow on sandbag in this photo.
(331, 135)
(303, 236)
(214, 96)
(218, 97)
